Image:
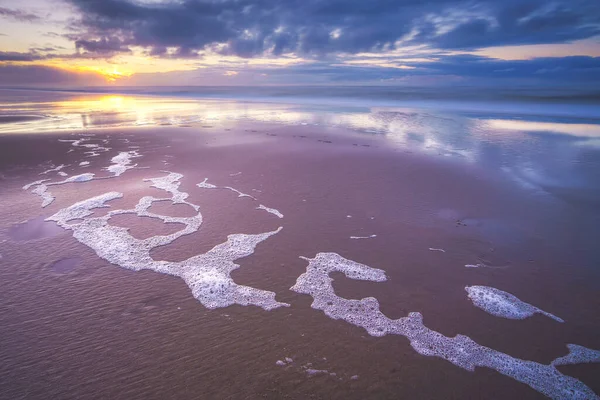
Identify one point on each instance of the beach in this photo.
(438, 201)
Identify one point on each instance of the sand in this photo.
(75, 326)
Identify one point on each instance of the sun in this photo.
(110, 74)
(114, 74)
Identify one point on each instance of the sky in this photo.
(492, 43)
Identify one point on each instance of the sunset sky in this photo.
(289, 42)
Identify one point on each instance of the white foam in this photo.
(42, 188)
(363, 237)
(122, 162)
(240, 194)
(205, 185)
(56, 169)
(313, 372)
(236, 174)
(170, 183)
(475, 266)
(270, 210)
(42, 191)
(459, 350)
(503, 304)
(32, 184)
(80, 143)
(84, 163)
(207, 275)
(285, 361)
(63, 173)
(75, 178)
(578, 355)
(434, 249)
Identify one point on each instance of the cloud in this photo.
(566, 69)
(22, 57)
(451, 70)
(18, 15)
(316, 28)
(37, 75)
(102, 46)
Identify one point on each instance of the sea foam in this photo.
(56, 169)
(207, 275)
(205, 185)
(240, 194)
(122, 162)
(270, 211)
(460, 350)
(578, 355)
(503, 304)
(42, 189)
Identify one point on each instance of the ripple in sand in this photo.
(65, 266)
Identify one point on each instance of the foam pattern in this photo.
(240, 194)
(205, 185)
(56, 169)
(81, 143)
(122, 162)
(503, 304)
(460, 350)
(32, 184)
(75, 178)
(363, 237)
(41, 188)
(313, 372)
(270, 210)
(578, 355)
(207, 275)
(42, 191)
(170, 183)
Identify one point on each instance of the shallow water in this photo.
(36, 228)
(430, 191)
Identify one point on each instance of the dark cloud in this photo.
(583, 72)
(102, 46)
(19, 15)
(16, 56)
(319, 27)
(564, 69)
(36, 75)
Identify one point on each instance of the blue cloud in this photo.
(319, 27)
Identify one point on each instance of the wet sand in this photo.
(89, 329)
